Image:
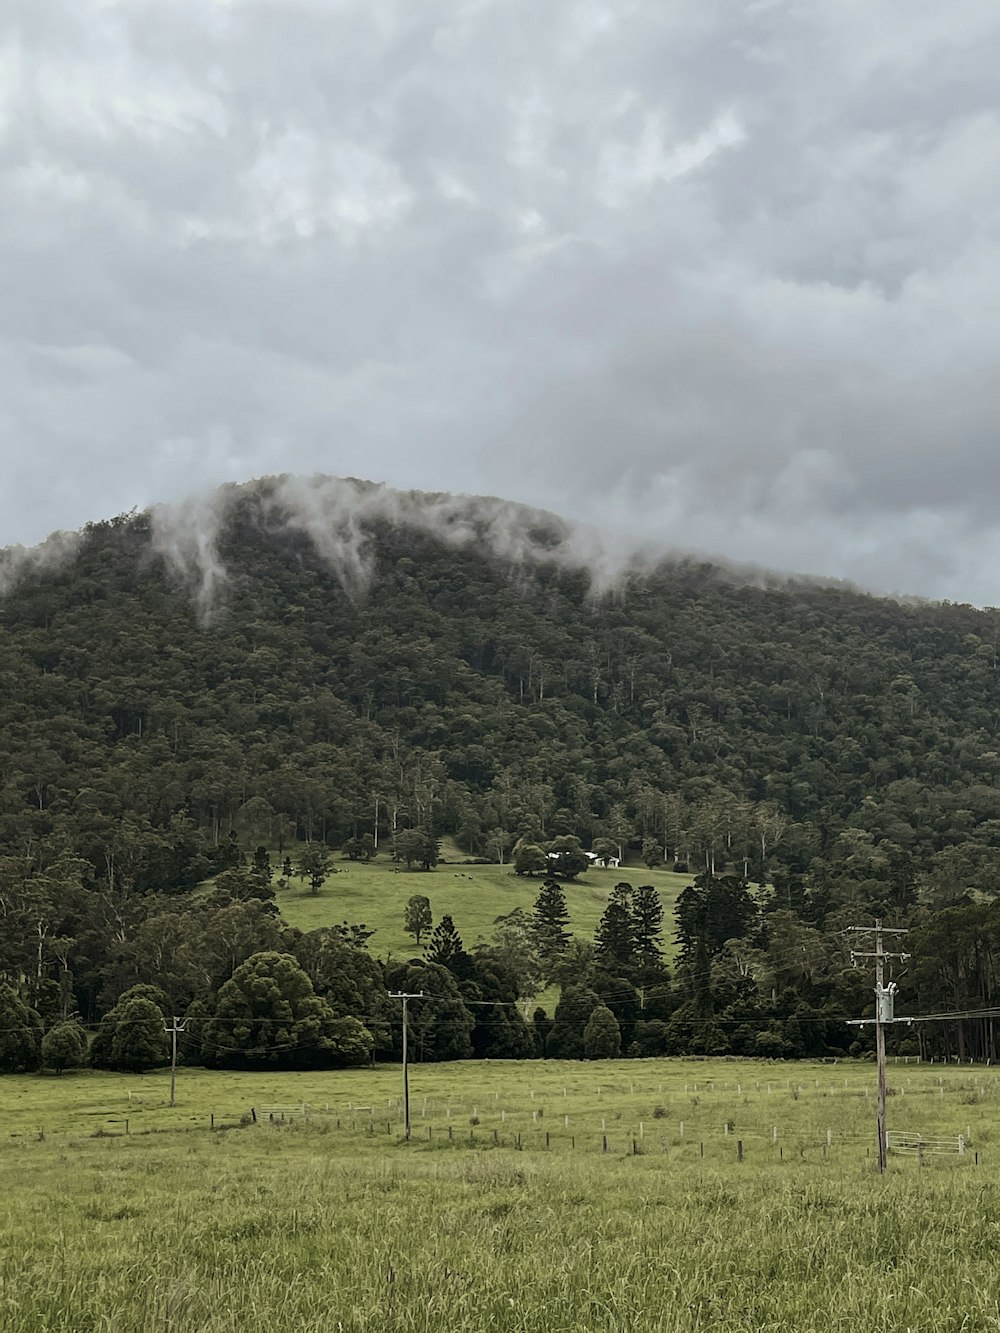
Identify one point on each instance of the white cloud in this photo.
(724, 278)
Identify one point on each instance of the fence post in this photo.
(604, 1143)
(739, 1150)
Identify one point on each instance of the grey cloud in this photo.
(713, 277)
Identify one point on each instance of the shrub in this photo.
(64, 1047)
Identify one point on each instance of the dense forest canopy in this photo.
(432, 668)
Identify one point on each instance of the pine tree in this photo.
(550, 921)
(447, 950)
(647, 931)
(615, 939)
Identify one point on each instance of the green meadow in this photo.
(532, 1196)
(473, 895)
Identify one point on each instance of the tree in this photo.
(20, 1034)
(647, 932)
(620, 829)
(616, 933)
(261, 864)
(549, 924)
(515, 947)
(529, 859)
(440, 1024)
(714, 910)
(652, 853)
(417, 846)
(314, 864)
(243, 884)
(573, 1011)
(268, 1016)
(140, 1041)
(604, 849)
(417, 918)
(102, 1049)
(541, 1026)
(348, 978)
(602, 1038)
(64, 1046)
(570, 859)
(447, 950)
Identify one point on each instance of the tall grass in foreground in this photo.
(303, 1227)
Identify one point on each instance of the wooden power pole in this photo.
(174, 1028)
(884, 1013)
(402, 995)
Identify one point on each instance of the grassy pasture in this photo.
(474, 895)
(310, 1226)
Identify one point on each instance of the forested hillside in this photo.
(839, 747)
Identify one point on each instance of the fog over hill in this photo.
(337, 514)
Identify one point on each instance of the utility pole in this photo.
(174, 1028)
(884, 1013)
(402, 995)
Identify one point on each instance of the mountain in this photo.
(193, 698)
(315, 660)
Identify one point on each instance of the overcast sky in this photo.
(725, 275)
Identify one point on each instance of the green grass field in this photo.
(314, 1226)
(474, 896)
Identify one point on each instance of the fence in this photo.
(917, 1143)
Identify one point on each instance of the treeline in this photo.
(86, 978)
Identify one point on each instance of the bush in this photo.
(64, 1047)
(20, 1034)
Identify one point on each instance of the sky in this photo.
(719, 276)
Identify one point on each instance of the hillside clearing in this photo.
(474, 895)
